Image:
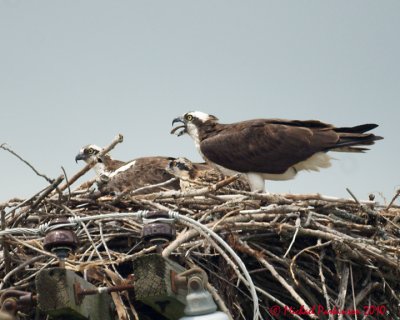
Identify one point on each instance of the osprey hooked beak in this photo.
(183, 127)
(80, 156)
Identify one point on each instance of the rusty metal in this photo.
(10, 306)
(177, 282)
(181, 280)
(12, 301)
(61, 241)
(157, 214)
(158, 228)
(80, 293)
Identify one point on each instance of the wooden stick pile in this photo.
(309, 256)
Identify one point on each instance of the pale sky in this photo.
(80, 72)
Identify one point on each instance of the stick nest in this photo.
(302, 251)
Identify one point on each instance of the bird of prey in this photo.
(196, 175)
(116, 176)
(270, 149)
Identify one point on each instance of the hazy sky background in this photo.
(79, 72)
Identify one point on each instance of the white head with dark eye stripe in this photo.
(88, 153)
(191, 123)
(180, 167)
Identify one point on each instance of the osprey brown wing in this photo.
(267, 146)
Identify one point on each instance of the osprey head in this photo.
(191, 122)
(179, 167)
(87, 153)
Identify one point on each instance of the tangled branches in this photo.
(303, 252)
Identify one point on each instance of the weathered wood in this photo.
(56, 297)
(153, 285)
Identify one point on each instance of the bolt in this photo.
(80, 293)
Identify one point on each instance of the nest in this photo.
(308, 256)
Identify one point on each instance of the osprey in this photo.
(270, 149)
(116, 176)
(196, 175)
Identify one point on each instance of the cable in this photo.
(256, 310)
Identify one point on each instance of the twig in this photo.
(246, 249)
(106, 248)
(195, 192)
(298, 225)
(67, 182)
(344, 278)
(53, 186)
(4, 147)
(322, 277)
(133, 192)
(352, 290)
(4, 243)
(19, 268)
(293, 262)
(353, 196)
(393, 200)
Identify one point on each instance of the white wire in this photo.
(73, 221)
(252, 288)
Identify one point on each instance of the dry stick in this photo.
(344, 279)
(118, 139)
(293, 262)
(33, 275)
(277, 301)
(19, 268)
(25, 202)
(226, 216)
(259, 256)
(352, 289)
(393, 200)
(4, 243)
(376, 253)
(193, 193)
(245, 215)
(53, 186)
(86, 231)
(67, 182)
(107, 250)
(298, 225)
(4, 147)
(317, 196)
(219, 301)
(363, 293)
(322, 277)
(152, 204)
(353, 196)
(132, 191)
(179, 240)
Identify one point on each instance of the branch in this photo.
(4, 147)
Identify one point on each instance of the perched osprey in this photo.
(104, 165)
(196, 175)
(270, 149)
(115, 176)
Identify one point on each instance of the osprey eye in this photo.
(90, 150)
(181, 166)
(189, 117)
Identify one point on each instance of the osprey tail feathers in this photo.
(352, 139)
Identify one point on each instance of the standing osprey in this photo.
(115, 176)
(270, 149)
(197, 175)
